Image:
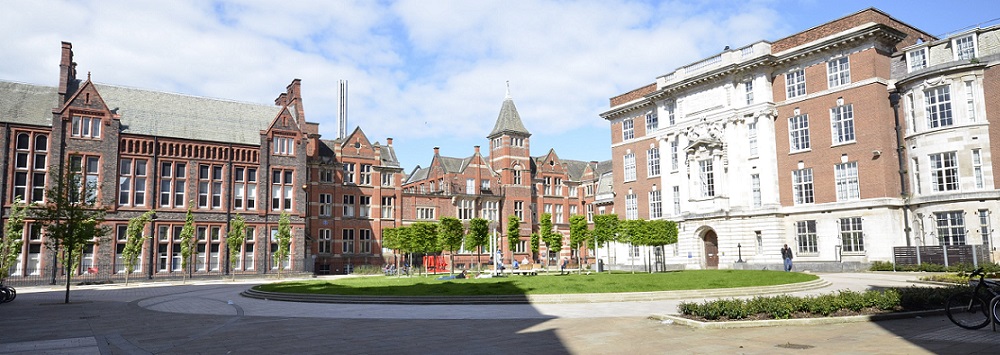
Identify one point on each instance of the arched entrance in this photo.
(711, 250)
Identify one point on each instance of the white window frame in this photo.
(802, 186)
(944, 171)
(755, 190)
(970, 101)
(631, 207)
(653, 162)
(325, 205)
(655, 204)
(852, 235)
(977, 167)
(798, 133)
(965, 47)
(916, 59)
(838, 72)
(706, 177)
(795, 83)
(752, 138)
(847, 182)
(805, 235)
(674, 164)
(950, 227)
(628, 129)
(652, 122)
(629, 163)
(937, 101)
(842, 124)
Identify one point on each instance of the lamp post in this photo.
(739, 250)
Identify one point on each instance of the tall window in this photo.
(748, 90)
(365, 241)
(842, 120)
(970, 101)
(846, 176)
(574, 210)
(172, 182)
(325, 175)
(802, 186)
(838, 72)
(557, 186)
(851, 235)
(517, 176)
(325, 205)
(677, 200)
(669, 107)
(284, 146)
(388, 207)
(365, 177)
(325, 241)
(984, 227)
(281, 189)
(590, 213)
(466, 209)
(470, 186)
(244, 188)
(944, 172)
(349, 169)
(798, 132)
(491, 210)
(951, 227)
(916, 175)
(652, 122)
(707, 178)
(87, 169)
(364, 206)
(805, 233)
(655, 204)
(209, 186)
(547, 186)
(30, 166)
(795, 84)
(755, 188)
(348, 206)
(673, 155)
(938, 106)
(86, 127)
(977, 167)
(917, 59)
(519, 209)
(965, 47)
(653, 162)
(628, 131)
(629, 167)
(347, 242)
(132, 182)
(559, 216)
(752, 138)
(631, 207)
(387, 178)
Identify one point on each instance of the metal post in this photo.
(739, 249)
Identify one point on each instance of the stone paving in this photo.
(211, 318)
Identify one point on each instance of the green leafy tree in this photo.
(189, 245)
(133, 245)
(478, 237)
(423, 238)
(284, 241)
(535, 241)
(633, 232)
(548, 236)
(10, 245)
(513, 235)
(234, 241)
(578, 234)
(394, 239)
(71, 217)
(451, 232)
(605, 230)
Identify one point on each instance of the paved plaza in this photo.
(212, 318)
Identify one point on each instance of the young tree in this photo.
(513, 235)
(189, 245)
(423, 238)
(545, 229)
(478, 237)
(451, 232)
(10, 245)
(578, 235)
(133, 245)
(535, 240)
(634, 233)
(71, 217)
(234, 241)
(284, 241)
(605, 230)
(394, 239)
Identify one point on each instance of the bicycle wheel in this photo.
(5, 295)
(967, 310)
(13, 293)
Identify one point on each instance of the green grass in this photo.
(539, 285)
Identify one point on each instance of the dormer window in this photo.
(86, 127)
(964, 47)
(916, 59)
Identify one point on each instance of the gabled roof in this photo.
(509, 121)
(388, 154)
(604, 167)
(417, 175)
(575, 168)
(454, 165)
(27, 104)
(190, 117)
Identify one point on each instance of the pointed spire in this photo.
(507, 97)
(509, 121)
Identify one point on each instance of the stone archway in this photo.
(711, 249)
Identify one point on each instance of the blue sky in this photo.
(426, 73)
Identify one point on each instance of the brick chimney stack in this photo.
(282, 100)
(437, 150)
(477, 149)
(67, 72)
(388, 141)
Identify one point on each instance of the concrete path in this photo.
(212, 318)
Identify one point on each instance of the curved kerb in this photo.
(528, 299)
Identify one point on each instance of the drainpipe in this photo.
(900, 149)
(229, 210)
(154, 243)
(6, 172)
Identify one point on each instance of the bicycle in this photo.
(7, 293)
(971, 309)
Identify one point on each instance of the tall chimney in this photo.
(343, 110)
(437, 150)
(67, 72)
(477, 149)
(388, 141)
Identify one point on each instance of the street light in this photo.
(739, 249)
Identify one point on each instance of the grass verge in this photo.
(539, 285)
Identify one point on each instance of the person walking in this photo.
(786, 255)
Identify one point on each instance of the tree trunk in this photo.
(69, 273)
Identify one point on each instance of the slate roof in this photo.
(575, 168)
(389, 156)
(417, 175)
(454, 165)
(27, 104)
(509, 121)
(190, 117)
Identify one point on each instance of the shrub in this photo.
(882, 266)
